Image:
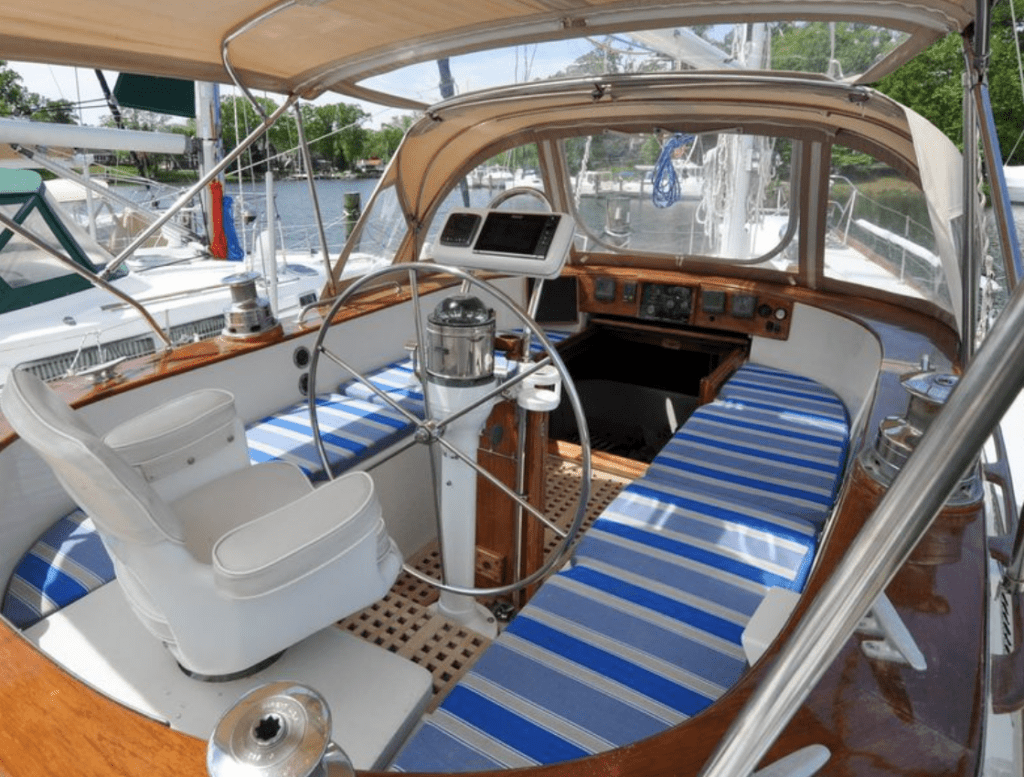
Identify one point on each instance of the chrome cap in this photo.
(278, 730)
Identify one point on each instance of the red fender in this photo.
(218, 242)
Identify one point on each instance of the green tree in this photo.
(238, 118)
(150, 165)
(807, 47)
(612, 54)
(17, 101)
(335, 133)
(931, 84)
(383, 142)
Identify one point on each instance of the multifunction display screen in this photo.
(522, 234)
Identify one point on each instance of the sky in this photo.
(80, 85)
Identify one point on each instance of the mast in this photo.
(736, 233)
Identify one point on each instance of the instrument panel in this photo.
(712, 305)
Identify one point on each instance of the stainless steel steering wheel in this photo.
(430, 432)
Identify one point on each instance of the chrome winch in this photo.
(249, 315)
(278, 730)
(898, 436)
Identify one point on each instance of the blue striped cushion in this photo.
(727, 452)
(758, 386)
(683, 539)
(353, 430)
(397, 380)
(771, 440)
(66, 562)
(553, 335)
(643, 632)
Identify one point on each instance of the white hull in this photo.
(1015, 182)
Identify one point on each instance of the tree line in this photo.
(340, 140)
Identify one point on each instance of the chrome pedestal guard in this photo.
(431, 432)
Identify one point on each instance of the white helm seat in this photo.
(234, 571)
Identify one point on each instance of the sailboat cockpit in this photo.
(672, 449)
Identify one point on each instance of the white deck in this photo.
(375, 697)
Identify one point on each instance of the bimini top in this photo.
(311, 46)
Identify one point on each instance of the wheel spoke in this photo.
(503, 488)
(519, 377)
(435, 428)
(379, 392)
(417, 315)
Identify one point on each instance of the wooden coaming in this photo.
(876, 719)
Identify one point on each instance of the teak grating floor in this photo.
(402, 622)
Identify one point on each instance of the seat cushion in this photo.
(771, 440)
(669, 536)
(176, 426)
(353, 430)
(641, 633)
(397, 380)
(299, 538)
(65, 563)
(752, 457)
(785, 392)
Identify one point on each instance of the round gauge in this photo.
(780, 314)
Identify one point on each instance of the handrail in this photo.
(57, 168)
(98, 280)
(902, 517)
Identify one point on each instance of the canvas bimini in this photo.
(704, 478)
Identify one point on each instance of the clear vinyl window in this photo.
(880, 233)
(714, 195)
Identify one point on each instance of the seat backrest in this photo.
(117, 497)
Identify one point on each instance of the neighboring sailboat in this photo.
(1015, 182)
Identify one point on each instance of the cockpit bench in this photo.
(353, 430)
(644, 629)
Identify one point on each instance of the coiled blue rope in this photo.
(666, 182)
